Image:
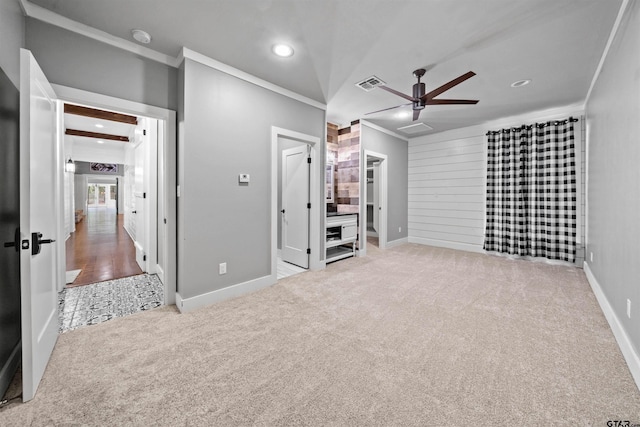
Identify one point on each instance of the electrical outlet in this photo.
(222, 268)
(399, 229)
(628, 308)
(591, 256)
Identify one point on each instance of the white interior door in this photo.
(295, 213)
(139, 208)
(376, 196)
(38, 268)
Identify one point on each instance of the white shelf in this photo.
(341, 235)
(339, 252)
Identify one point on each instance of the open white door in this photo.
(139, 200)
(38, 222)
(376, 196)
(295, 210)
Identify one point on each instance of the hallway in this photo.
(101, 248)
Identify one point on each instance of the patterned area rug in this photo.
(99, 302)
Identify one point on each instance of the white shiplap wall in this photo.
(447, 179)
(447, 190)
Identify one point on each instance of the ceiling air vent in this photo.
(414, 129)
(370, 83)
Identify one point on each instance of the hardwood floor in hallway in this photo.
(101, 248)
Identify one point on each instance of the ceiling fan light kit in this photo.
(420, 98)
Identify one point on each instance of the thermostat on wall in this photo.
(243, 177)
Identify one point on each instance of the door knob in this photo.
(282, 211)
(133, 212)
(37, 241)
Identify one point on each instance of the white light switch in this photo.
(244, 177)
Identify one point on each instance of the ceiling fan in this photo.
(420, 99)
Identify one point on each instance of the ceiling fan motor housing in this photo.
(419, 89)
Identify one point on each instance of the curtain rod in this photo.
(539, 125)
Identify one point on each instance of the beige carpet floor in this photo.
(413, 335)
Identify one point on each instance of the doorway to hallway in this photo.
(111, 198)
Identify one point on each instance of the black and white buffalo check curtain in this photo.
(531, 191)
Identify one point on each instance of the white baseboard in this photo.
(446, 244)
(397, 242)
(626, 346)
(8, 370)
(129, 233)
(187, 304)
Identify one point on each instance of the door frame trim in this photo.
(316, 259)
(382, 233)
(168, 147)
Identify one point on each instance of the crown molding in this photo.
(41, 14)
(605, 52)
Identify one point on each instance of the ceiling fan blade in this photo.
(416, 114)
(445, 87)
(450, 101)
(395, 92)
(386, 109)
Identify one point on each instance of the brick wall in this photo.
(348, 169)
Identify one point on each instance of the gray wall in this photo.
(225, 130)
(397, 171)
(12, 28)
(70, 59)
(613, 200)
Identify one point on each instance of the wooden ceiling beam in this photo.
(100, 114)
(97, 135)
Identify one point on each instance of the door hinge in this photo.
(144, 257)
(308, 159)
(144, 195)
(144, 131)
(308, 205)
(165, 220)
(308, 251)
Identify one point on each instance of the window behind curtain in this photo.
(531, 191)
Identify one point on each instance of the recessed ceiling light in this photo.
(521, 83)
(100, 142)
(282, 50)
(98, 125)
(141, 36)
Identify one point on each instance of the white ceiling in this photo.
(89, 149)
(556, 43)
